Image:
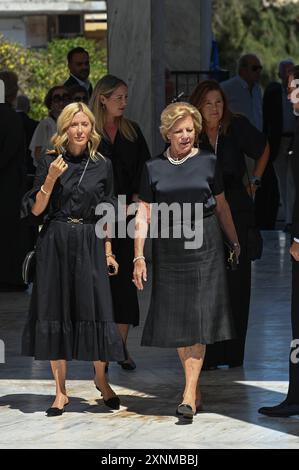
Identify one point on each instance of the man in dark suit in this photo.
(78, 64)
(279, 125)
(290, 406)
(29, 126)
(12, 183)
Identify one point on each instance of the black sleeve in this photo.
(295, 220)
(143, 156)
(13, 142)
(250, 140)
(217, 187)
(29, 198)
(146, 193)
(109, 188)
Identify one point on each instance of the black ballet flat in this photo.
(185, 411)
(113, 402)
(127, 365)
(54, 411)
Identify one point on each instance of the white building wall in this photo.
(13, 29)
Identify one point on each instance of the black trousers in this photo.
(267, 200)
(293, 392)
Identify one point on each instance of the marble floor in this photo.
(150, 394)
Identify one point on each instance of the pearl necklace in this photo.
(182, 160)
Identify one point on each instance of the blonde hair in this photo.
(175, 111)
(60, 139)
(106, 86)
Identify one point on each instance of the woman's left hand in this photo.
(112, 262)
(294, 251)
(251, 190)
(237, 249)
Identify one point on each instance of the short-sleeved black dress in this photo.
(127, 159)
(189, 302)
(71, 314)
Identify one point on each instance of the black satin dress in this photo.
(127, 161)
(71, 314)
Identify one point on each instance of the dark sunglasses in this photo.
(78, 98)
(255, 68)
(58, 98)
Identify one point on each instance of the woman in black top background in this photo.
(122, 142)
(231, 137)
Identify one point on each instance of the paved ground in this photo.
(150, 394)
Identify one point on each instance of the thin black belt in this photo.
(76, 220)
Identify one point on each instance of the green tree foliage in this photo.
(40, 69)
(270, 32)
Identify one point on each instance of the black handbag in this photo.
(28, 267)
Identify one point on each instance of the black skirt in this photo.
(189, 303)
(71, 314)
(124, 292)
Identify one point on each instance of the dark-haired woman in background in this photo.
(232, 137)
(122, 142)
(56, 99)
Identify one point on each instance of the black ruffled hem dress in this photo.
(71, 313)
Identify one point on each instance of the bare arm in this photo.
(259, 168)
(226, 221)
(56, 169)
(141, 227)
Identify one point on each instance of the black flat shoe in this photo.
(113, 402)
(127, 365)
(185, 411)
(283, 410)
(54, 411)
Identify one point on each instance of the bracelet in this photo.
(138, 257)
(43, 191)
(110, 255)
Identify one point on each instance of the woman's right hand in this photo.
(139, 273)
(57, 168)
(294, 251)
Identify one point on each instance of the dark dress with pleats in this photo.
(127, 160)
(71, 314)
(189, 301)
(241, 139)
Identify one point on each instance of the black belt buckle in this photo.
(73, 220)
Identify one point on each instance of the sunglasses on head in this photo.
(58, 98)
(255, 68)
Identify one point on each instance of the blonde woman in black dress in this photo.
(71, 315)
(189, 304)
(124, 144)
